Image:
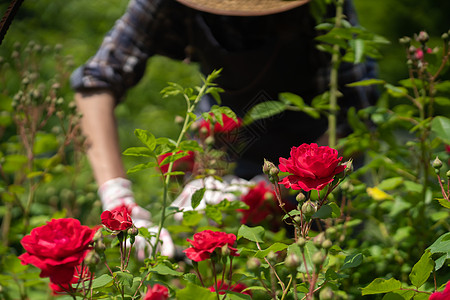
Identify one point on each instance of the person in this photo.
(264, 47)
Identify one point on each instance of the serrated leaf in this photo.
(190, 145)
(273, 248)
(237, 296)
(140, 167)
(290, 98)
(214, 214)
(138, 151)
(422, 270)
(195, 292)
(381, 286)
(396, 91)
(124, 278)
(197, 197)
(264, 110)
(352, 261)
(146, 138)
(162, 269)
(254, 234)
(399, 295)
(444, 202)
(191, 218)
(441, 245)
(441, 127)
(102, 281)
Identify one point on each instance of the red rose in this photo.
(444, 295)
(118, 219)
(157, 292)
(224, 287)
(207, 241)
(312, 167)
(228, 125)
(260, 200)
(57, 248)
(185, 163)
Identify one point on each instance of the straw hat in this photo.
(243, 7)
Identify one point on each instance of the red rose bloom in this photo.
(118, 219)
(312, 167)
(228, 125)
(224, 287)
(157, 292)
(185, 163)
(260, 200)
(207, 241)
(57, 248)
(444, 295)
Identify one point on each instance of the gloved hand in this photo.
(117, 192)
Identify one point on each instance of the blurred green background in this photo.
(79, 26)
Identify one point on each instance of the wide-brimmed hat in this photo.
(243, 7)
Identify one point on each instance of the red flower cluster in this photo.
(228, 125)
(157, 292)
(185, 163)
(57, 248)
(444, 295)
(207, 241)
(224, 287)
(118, 219)
(260, 199)
(312, 167)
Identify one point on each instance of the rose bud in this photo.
(318, 258)
(437, 163)
(308, 208)
(253, 263)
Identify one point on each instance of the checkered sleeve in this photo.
(121, 59)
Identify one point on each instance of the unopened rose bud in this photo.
(98, 235)
(326, 293)
(268, 196)
(301, 242)
(203, 131)
(267, 167)
(437, 163)
(308, 208)
(448, 174)
(132, 231)
(253, 263)
(319, 239)
(327, 244)
(271, 255)
(444, 36)
(405, 40)
(100, 247)
(298, 219)
(274, 171)
(300, 197)
(209, 140)
(179, 119)
(92, 259)
(225, 251)
(292, 262)
(318, 258)
(422, 37)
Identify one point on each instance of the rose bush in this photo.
(57, 248)
(311, 167)
(118, 219)
(224, 287)
(207, 241)
(261, 202)
(228, 125)
(185, 164)
(444, 295)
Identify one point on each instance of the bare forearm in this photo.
(99, 126)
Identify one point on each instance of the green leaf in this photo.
(102, 281)
(332, 275)
(146, 138)
(140, 167)
(162, 269)
(138, 151)
(422, 270)
(214, 214)
(254, 234)
(264, 110)
(273, 248)
(399, 295)
(190, 145)
(381, 286)
(195, 292)
(124, 278)
(237, 296)
(323, 213)
(352, 261)
(390, 183)
(441, 127)
(439, 262)
(396, 91)
(290, 98)
(197, 197)
(441, 245)
(358, 46)
(191, 218)
(444, 202)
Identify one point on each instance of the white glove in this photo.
(231, 188)
(117, 192)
